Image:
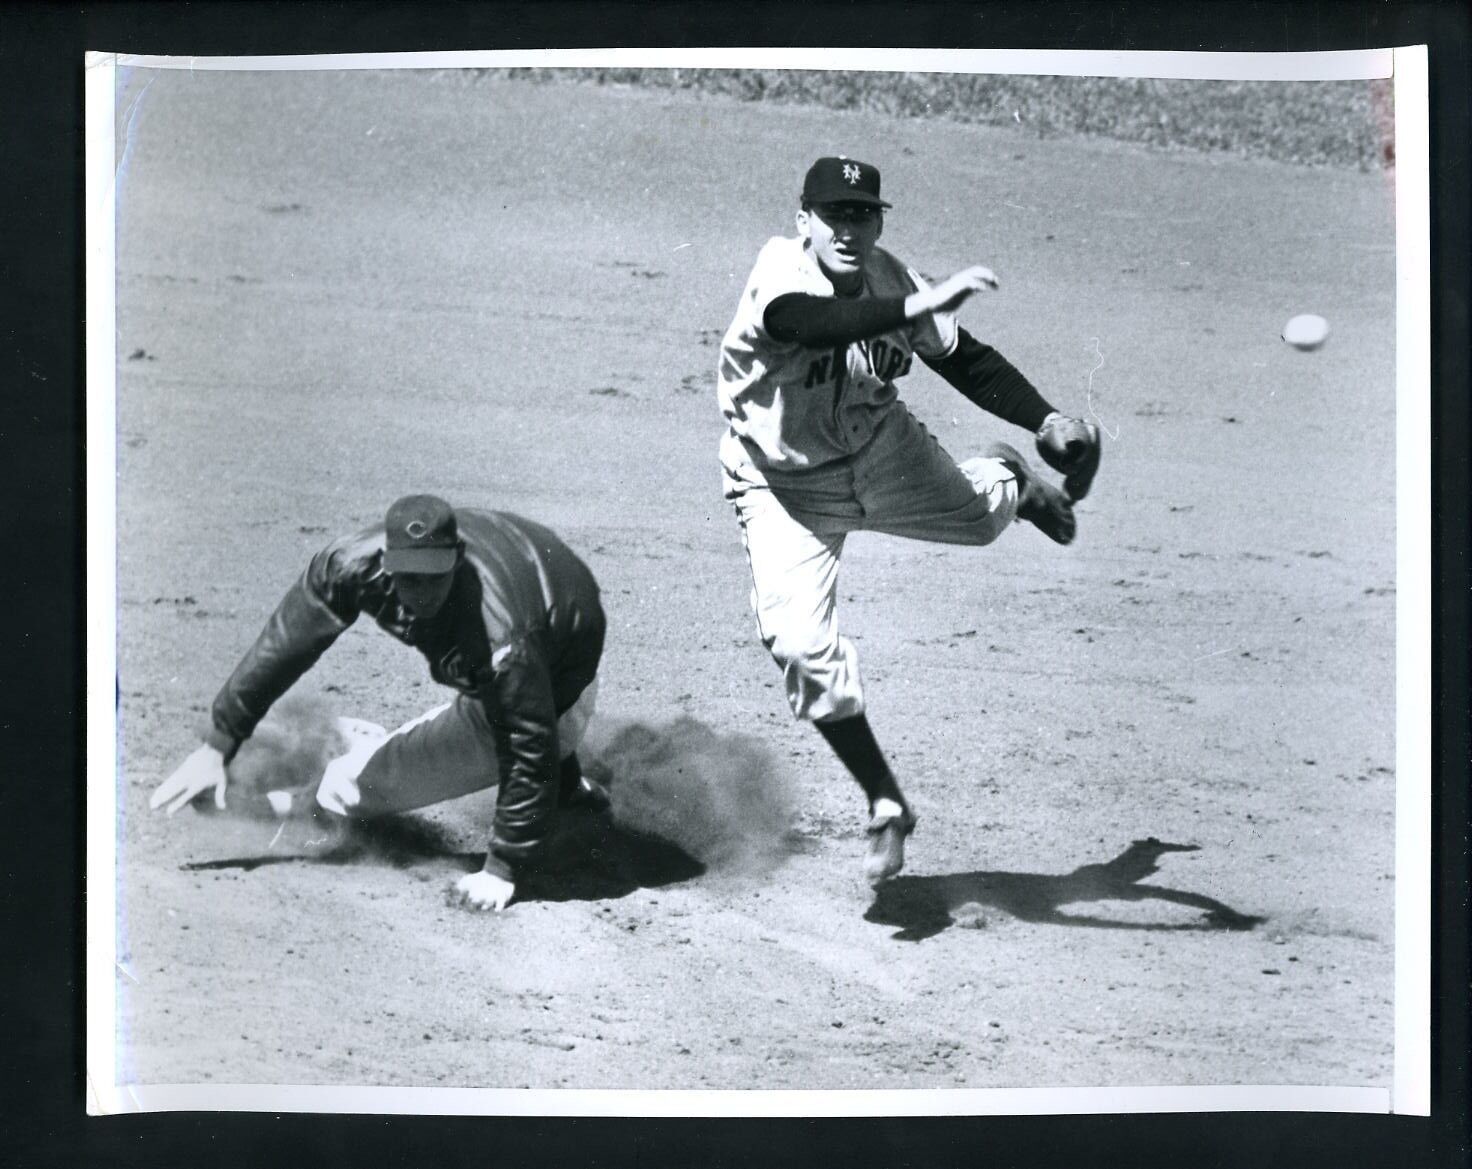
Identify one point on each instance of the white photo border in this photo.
(1410, 1093)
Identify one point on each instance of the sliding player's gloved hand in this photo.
(1072, 447)
(203, 770)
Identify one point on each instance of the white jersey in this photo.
(788, 407)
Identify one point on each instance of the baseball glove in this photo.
(1072, 447)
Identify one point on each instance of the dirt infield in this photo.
(1154, 771)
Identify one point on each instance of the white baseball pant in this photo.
(902, 482)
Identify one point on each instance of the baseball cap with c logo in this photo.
(420, 535)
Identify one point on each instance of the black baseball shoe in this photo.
(587, 794)
(1038, 502)
(575, 790)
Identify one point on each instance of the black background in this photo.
(42, 559)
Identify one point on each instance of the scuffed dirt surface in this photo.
(1154, 771)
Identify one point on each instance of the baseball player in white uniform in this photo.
(818, 444)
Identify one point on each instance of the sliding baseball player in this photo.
(506, 615)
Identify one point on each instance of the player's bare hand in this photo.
(949, 295)
(204, 769)
(482, 891)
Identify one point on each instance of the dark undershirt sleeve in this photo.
(817, 322)
(988, 379)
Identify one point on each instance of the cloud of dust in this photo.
(287, 752)
(722, 798)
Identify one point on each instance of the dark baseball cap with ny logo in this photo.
(420, 536)
(842, 180)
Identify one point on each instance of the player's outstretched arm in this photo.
(987, 379)
(817, 322)
(949, 295)
(204, 769)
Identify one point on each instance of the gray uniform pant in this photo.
(444, 753)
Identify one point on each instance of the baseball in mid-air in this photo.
(1306, 331)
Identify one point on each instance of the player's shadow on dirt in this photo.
(400, 842)
(593, 859)
(925, 906)
(589, 859)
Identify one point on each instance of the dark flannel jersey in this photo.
(522, 631)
